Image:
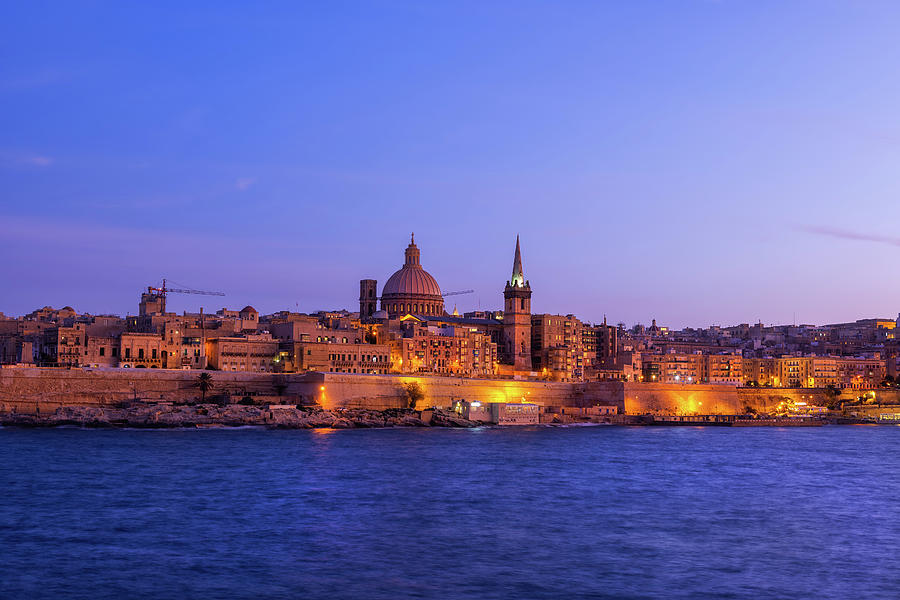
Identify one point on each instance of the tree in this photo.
(205, 383)
(832, 396)
(414, 393)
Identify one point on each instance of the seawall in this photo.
(674, 399)
(43, 390)
(389, 391)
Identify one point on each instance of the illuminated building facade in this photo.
(372, 359)
(246, 353)
(557, 347)
(419, 347)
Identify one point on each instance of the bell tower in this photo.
(517, 317)
(368, 296)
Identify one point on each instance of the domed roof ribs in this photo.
(518, 274)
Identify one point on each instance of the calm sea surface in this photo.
(579, 512)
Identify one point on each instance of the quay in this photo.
(733, 421)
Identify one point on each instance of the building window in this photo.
(102, 351)
(140, 353)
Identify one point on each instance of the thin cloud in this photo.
(845, 234)
(244, 183)
(13, 158)
(38, 161)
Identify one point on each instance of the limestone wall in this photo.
(674, 399)
(334, 390)
(43, 390)
(663, 398)
(771, 396)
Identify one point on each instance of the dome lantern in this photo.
(412, 290)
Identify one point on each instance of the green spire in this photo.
(518, 275)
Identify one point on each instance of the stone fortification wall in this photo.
(337, 390)
(673, 399)
(664, 399)
(38, 390)
(819, 396)
(35, 390)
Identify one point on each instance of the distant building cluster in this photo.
(406, 330)
(858, 355)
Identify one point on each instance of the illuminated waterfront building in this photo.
(557, 347)
(420, 347)
(246, 353)
(372, 359)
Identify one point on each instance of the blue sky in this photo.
(695, 162)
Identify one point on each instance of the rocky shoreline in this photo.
(166, 415)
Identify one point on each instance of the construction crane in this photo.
(162, 291)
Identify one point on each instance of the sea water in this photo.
(537, 512)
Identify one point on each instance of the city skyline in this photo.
(580, 299)
(452, 307)
(698, 165)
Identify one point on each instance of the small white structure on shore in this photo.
(499, 413)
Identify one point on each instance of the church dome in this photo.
(412, 289)
(411, 279)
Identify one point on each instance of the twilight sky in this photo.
(695, 162)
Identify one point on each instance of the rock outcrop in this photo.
(162, 415)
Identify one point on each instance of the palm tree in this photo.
(205, 383)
